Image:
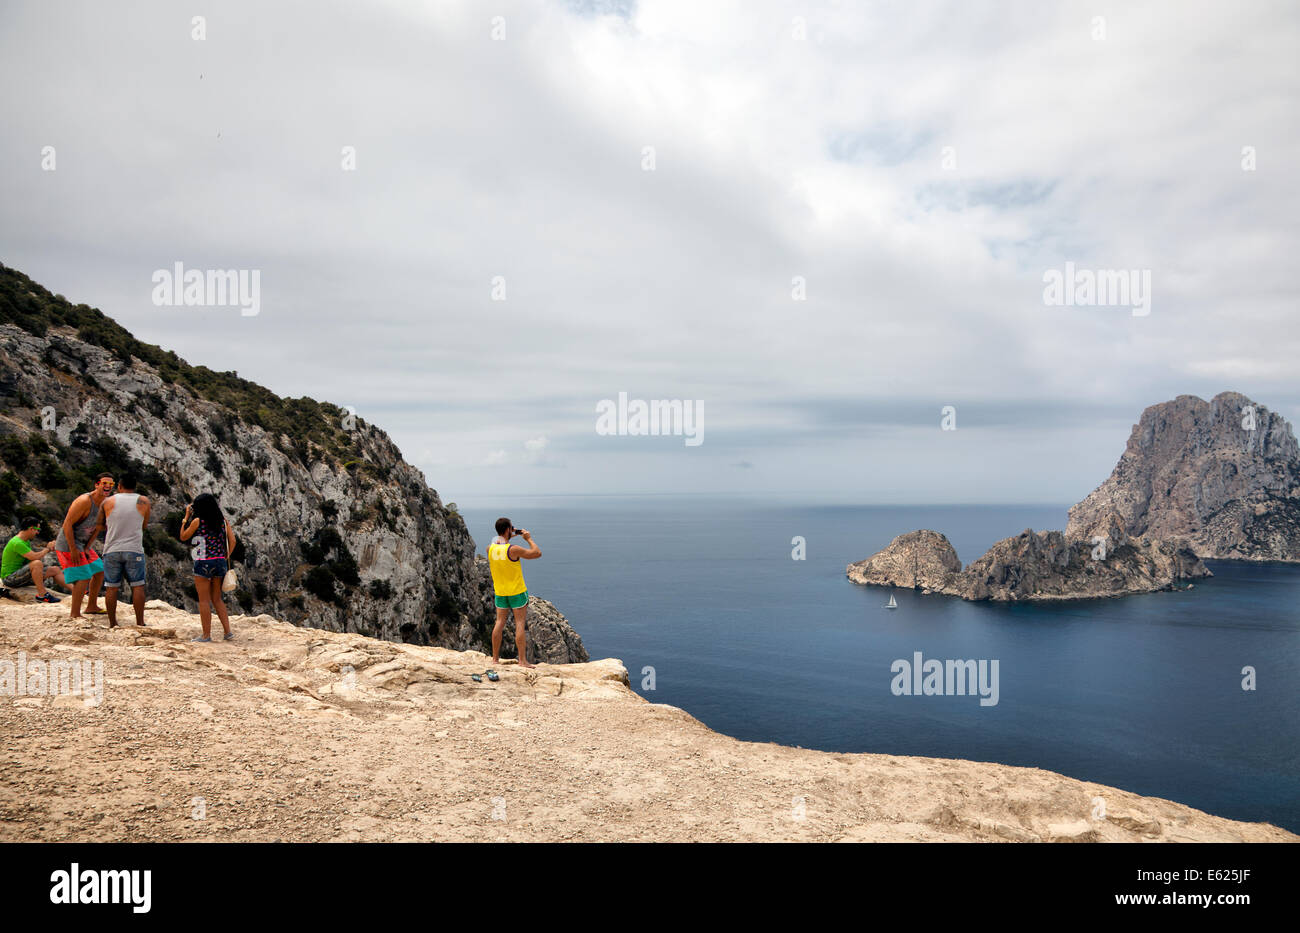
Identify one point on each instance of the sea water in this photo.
(702, 598)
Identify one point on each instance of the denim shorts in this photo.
(123, 563)
(214, 568)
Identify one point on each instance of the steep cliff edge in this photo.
(1222, 474)
(336, 530)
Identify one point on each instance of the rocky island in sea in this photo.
(1217, 479)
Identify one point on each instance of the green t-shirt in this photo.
(13, 557)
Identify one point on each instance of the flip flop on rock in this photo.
(477, 678)
(96, 612)
(228, 636)
(200, 639)
(492, 675)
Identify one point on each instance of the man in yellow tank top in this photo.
(508, 585)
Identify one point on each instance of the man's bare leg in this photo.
(521, 638)
(55, 576)
(496, 634)
(110, 603)
(137, 602)
(96, 582)
(78, 591)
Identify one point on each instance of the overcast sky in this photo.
(919, 165)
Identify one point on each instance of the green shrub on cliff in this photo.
(14, 452)
(10, 489)
(157, 541)
(320, 583)
(326, 551)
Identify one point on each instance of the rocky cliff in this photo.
(1032, 565)
(1223, 474)
(336, 530)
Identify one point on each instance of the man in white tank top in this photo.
(123, 519)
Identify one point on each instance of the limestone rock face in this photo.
(551, 640)
(355, 543)
(919, 559)
(1223, 474)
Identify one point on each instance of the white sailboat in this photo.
(892, 604)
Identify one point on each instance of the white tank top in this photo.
(125, 525)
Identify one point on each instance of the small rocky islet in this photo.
(1217, 480)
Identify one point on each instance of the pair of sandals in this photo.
(226, 637)
(490, 674)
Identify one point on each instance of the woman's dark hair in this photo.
(208, 510)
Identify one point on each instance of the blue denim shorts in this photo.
(214, 568)
(123, 563)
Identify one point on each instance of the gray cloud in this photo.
(775, 158)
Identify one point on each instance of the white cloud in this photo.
(775, 158)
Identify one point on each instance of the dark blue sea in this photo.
(1143, 693)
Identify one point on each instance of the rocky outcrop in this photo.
(919, 559)
(1033, 565)
(1222, 474)
(1048, 565)
(291, 734)
(336, 530)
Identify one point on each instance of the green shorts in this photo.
(513, 602)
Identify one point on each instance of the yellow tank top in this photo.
(507, 574)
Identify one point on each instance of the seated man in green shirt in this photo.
(23, 566)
